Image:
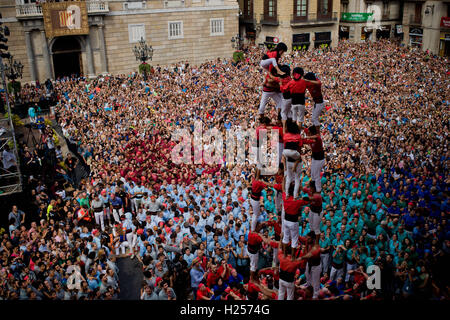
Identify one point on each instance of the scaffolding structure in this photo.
(10, 178)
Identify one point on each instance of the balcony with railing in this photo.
(214, 2)
(269, 20)
(247, 19)
(313, 19)
(31, 10)
(174, 4)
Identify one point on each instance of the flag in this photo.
(65, 18)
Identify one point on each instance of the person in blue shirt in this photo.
(197, 275)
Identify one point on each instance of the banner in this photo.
(356, 17)
(65, 18)
(445, 22)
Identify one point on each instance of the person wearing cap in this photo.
(154, 206)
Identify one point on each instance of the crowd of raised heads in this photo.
(357, 209)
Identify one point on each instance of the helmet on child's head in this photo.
(286, 69)
(297, 73)
(281, 47)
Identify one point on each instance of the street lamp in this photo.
(143, 52)
(236, 42)
(13, 70)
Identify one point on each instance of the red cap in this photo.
(140, 231)
(241, 199)
(211, 209)
(229, 208)
(222, 191)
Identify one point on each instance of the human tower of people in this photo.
(228, 231)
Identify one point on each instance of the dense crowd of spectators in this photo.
(385, 184)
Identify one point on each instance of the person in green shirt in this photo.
(371, 224)
(350, 259)
(388, 200)
(382, 229)
(325, 248)
(337, 264)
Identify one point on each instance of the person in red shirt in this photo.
(270, 59)
(288, 268)
(313, 267)
(254, 242)
(291, 155)
(315, 213)
(271, 89)
(314, 87)
(290, 227)
(255, 196)
(212, 277)
(284, 82)
(297, 88)
(317, 157)
(203, 292)
(279, 189)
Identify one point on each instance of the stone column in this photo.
(30, 54)
(91, 72)
(101, 35)
(46, 54)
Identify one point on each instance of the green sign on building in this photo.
(355, 17)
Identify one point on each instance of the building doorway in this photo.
(67, 57)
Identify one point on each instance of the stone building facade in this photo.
(368, 20)
(178, 30)
(301, 24)
(427, 25)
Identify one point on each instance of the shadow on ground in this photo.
(130, 277)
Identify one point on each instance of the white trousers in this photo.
(286, 288)
(290, 233)
(276, 96)
(122, 247)
(267, 62)
(316, 113)
(253, 261)
(325, 261)
(256, 211)
(278, 201)
(286, 109)
(298, 112)
(349, 267)
(336, 273)
(100, 219)
(275, 260)
(131, 239)
(116, 214)
(313, 278)
(316, 169)
(314, 221)
(289, 171)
